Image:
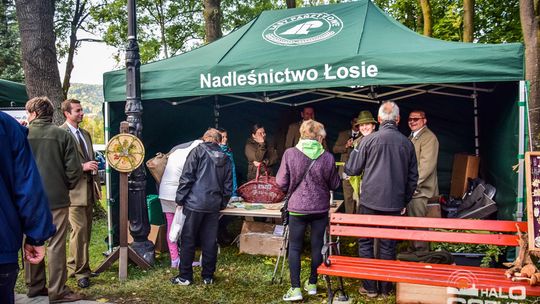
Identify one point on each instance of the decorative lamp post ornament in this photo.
(138, 213)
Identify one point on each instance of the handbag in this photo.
(157, 164)
(285, 209)
(262, 190)
(177, 224)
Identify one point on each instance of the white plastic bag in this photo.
(177, 224)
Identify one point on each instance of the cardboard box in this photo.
(259, 238)
(158, 236)
(420, 294)
(465, 166)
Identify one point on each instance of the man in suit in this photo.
(293, 133)
(82, 197)
(58, 163)
(426, 147)
(344, 146)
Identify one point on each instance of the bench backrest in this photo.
(402, 228)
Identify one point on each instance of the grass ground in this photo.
(240, 278)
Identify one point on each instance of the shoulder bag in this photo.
(285, 208)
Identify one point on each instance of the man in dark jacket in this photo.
(205, 188)
(24, 206)
(58, 163)
(388, 162)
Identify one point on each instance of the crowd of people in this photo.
(382, 172)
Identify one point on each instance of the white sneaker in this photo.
(293, 294)
(177, 280)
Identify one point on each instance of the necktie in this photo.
(83, 147)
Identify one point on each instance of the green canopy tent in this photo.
(341, 58)
(12, 94)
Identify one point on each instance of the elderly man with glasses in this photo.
(426, 147)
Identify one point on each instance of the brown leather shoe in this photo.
(42, 292)
(68, 297)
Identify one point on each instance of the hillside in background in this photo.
(91, 96)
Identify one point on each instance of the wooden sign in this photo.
(532, 179)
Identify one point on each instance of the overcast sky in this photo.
(91, 61)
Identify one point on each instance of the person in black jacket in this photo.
(388, 161)
(205, 188)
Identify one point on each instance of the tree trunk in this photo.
(66, 84)
(291, 3)
(73, 45)
(39, 51)
(468, 20)
(529, 16)
(212, 19)
(426, 17)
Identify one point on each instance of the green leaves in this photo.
(10, 43)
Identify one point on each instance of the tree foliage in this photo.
(494, 23)
(167, 28)
(10, 43)
(164, 28)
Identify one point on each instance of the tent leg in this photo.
(523, 99)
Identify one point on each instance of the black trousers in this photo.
(387, 251)
(8, 277)
(297, 231)
(203, 227)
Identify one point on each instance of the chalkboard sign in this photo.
(532, 178)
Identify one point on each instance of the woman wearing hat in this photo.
(366, 124)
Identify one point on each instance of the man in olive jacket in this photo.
(59, 165)
(82, 197)
(426, 147)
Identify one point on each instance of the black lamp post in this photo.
(139, 224)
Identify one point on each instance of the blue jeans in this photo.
(8, 277)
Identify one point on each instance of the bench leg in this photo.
(342, 295)
(329, 289)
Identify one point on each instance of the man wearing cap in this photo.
(344, 145)
(426, 147)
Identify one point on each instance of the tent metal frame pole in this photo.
(108, 181)
(523, 99)
(476, 131)
(473, 88)
(232, 104)
(343, 96)
(216, 111)
(402, 89)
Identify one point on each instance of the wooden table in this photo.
(276, 213)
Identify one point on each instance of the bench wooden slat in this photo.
(424, 235)
(384, 264)
(500, 233)
(438, 223)
(409, 275)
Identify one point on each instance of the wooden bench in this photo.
(400, 228)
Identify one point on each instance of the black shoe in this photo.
(94, 274)
(41, 293)
(83, 283)
(208, 281)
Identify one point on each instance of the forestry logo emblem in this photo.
(303, 29)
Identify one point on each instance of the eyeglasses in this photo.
(415, 119)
